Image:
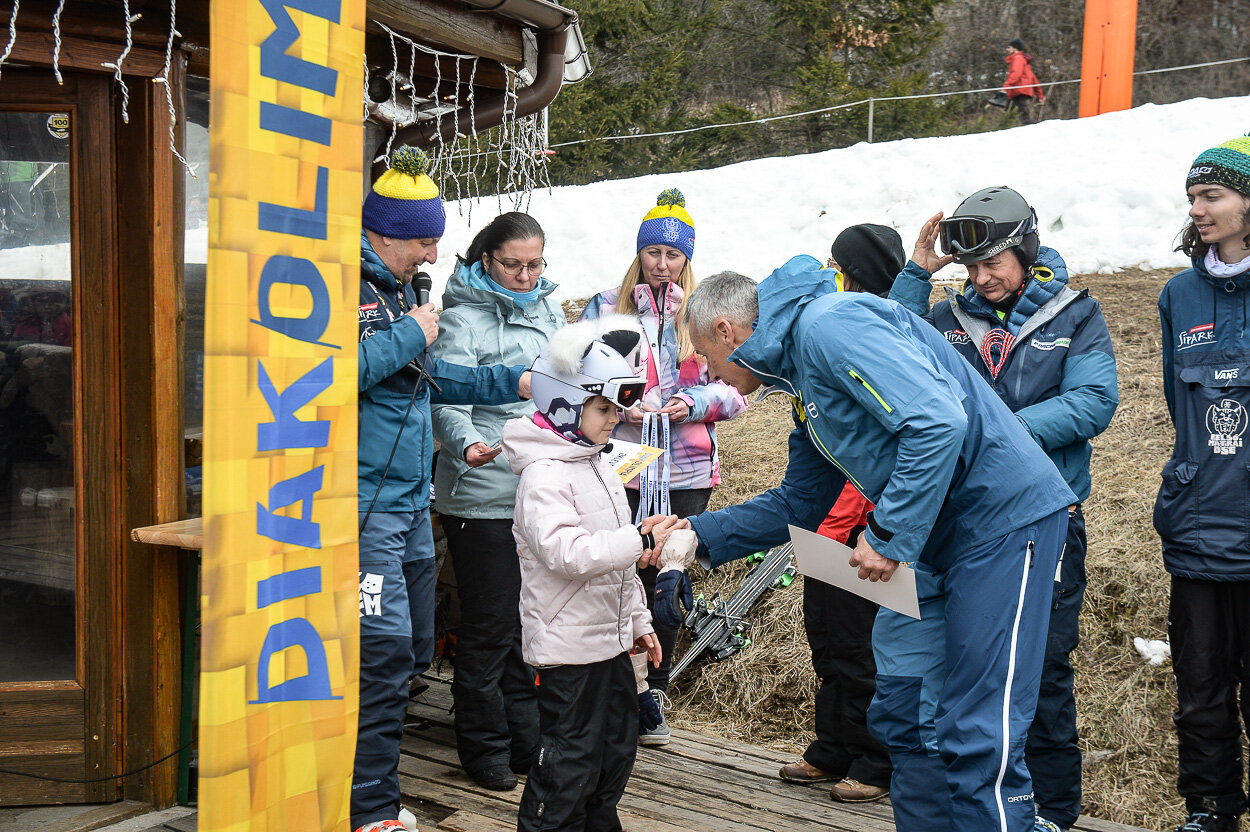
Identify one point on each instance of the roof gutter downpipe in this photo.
(529, 100)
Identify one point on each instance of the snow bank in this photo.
(1109, 192)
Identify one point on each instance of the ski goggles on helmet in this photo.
(622, 392)
(969, 239)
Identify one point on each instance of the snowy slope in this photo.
(1109, 192)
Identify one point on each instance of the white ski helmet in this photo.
(589, 358)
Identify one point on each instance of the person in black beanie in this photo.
(838, 623)
(869, 257)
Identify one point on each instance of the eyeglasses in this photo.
(512, 268)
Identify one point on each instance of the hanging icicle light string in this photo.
(8, 50)
(116, 66)
(163, 79)
(462, 161)
(56, 43)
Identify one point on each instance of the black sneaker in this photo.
(1208, 822)
(495, 778)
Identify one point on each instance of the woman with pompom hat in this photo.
(1202, 514)
(403, 220)
(683, 402)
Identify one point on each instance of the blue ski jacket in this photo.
(1050, 360)
(1202, 512)
(389, 342)
(883, 400)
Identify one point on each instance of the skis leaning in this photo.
(718, 627)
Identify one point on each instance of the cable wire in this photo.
(626, 136)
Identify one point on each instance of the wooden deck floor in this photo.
(694, 784)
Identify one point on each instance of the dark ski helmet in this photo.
(989, 222)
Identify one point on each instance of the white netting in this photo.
(509, 160)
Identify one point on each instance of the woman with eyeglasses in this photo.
(496, 310)
(682, 404)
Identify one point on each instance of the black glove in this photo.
(649, 716)
(672, 587)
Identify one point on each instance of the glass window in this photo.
(195, 269)
(37, 552)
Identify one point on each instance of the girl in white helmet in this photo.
(583, 610)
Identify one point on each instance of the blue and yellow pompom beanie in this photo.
(404, 203)
(1227, 164)
(668, 224)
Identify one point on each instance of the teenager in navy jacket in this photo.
(1045, 349)
(1202, 512)
(960, 491)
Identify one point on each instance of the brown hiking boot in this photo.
(801, 771)
(852, 791)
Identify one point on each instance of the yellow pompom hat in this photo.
(404, 203)
(668, 224)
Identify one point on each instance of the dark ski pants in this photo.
(683, 503)
(839, 632)
(1052, 753)
(974, 662)
(496, 714)
(396, 623)
(589, 719)
(1209, 627)
(1023, 104)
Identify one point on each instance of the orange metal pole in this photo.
(1107, 57)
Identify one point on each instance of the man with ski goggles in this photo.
(1046, 351)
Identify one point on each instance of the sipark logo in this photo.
(1196, 337)
(957, 337)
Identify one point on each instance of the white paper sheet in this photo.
(629, 459)
(825, 559)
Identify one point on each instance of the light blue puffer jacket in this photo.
(480, 326)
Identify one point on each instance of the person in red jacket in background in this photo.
(839, 623)
(1021, 86)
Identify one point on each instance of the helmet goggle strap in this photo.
(959, 236)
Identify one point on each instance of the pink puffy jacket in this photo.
(581, 600)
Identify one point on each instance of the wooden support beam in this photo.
(489, 74)
(36, 48)
(450, 26)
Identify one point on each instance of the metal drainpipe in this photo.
(539, 14)
(529, 100)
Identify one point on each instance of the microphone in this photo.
(423, 284)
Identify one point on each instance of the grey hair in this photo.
(725, 294)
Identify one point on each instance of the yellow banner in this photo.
(280, 591)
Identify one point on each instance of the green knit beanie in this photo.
(1227, 164)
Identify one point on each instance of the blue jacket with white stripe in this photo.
(1202, 512)
(881, 398)
(1050, 360)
